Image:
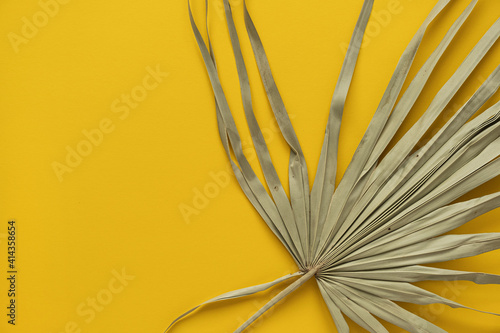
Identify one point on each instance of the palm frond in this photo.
(365, 241)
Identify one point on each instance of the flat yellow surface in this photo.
(126, 213)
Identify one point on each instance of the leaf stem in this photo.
(284, 293)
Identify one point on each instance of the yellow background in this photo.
(120, 208)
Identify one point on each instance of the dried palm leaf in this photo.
(365, 241)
